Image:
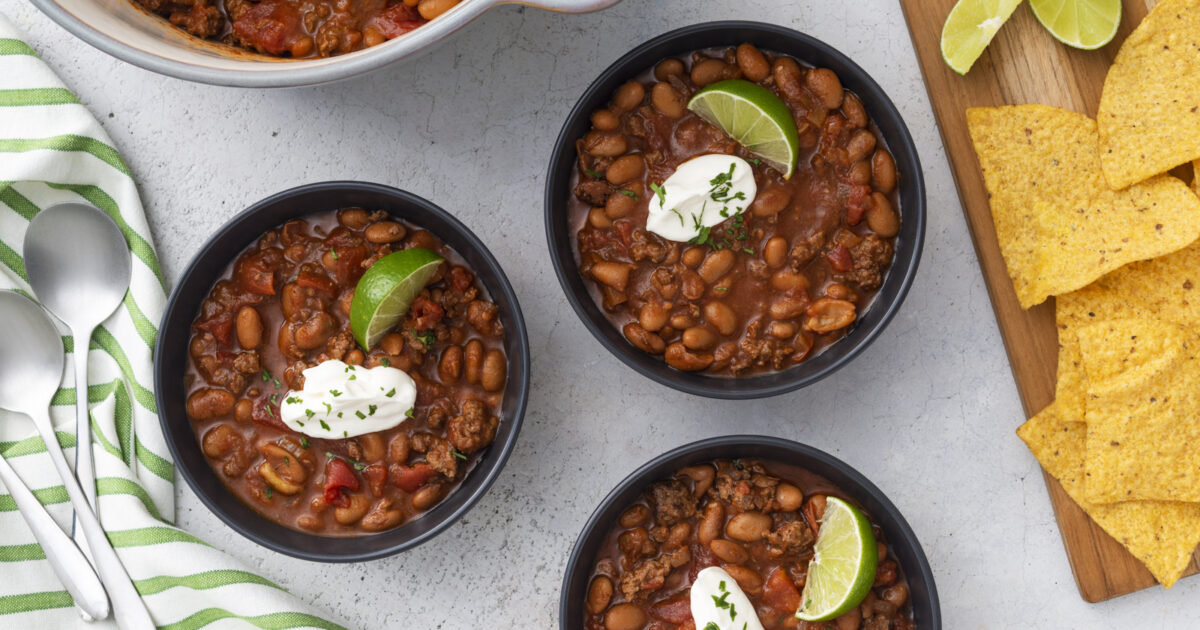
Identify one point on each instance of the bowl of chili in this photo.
(328, 499)
(708, 473)
(779, 296)
(270, 43)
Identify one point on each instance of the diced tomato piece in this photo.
(220, 326)
(349, 264)
(677, 610)
(840, 259)
(780, 593)
(396, 20)
(266, 413)
(856, 203)
(410, 478)
(625, 232)
(338, 479)
(315, 280)
(426, 313)
(270, 26)
(256, 272)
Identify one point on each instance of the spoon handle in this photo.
(128, 608)
(85, 467)
(65, 558)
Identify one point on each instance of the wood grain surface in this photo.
(1025, 64)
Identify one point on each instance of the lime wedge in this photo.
(1086, 24)
(755, 117)
(969, 29)
(386, 290)
(843, 566)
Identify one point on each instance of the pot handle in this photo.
(565, 6)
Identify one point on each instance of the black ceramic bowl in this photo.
(911, 188)
(927, 610)
(172, 353)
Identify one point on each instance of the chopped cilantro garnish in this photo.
(270, 493)
(293, 400)
(333, 252)
(628, 193)
(385, 362)
(360, 414)
(391, 392)
(325, 425)
(371, 409)
(409, 413)
(660, 193)
(335, 393)
(304, 442)
(457, 454)
(309, 413)
(594, 174)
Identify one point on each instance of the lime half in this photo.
(1086, 24)
(386, 290)
(969, 29)
(843, 567)
(755, 117)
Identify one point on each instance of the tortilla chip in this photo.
(1143, 410)
(1149, 113)
(1165, 288)
(1059, 225)
(1196, 177)
(1161, 534)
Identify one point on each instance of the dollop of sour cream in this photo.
(718, 600)
(701, 193)
(343, 401)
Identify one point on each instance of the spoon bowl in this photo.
(78, 263)
(31, 355)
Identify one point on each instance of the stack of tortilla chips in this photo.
(1085, 210)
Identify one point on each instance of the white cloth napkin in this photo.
(52, 150)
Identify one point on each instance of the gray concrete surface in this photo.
(928, 412)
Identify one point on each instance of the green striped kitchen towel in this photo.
(52, 150)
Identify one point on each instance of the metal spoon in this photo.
(79, 268)
(65, 558)
(31, 362)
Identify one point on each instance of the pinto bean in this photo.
(220, 440)
(752, 62)
(710, 524)
(473, 360)
(860, 145)
(713, 70)
(209, 402)
(629, 96)
(605, 143)
(450, 367)
(634, 516)
(789, 78)
(788, 307)
(380, 520)
(896, 594)
(728, 551)
(716, 265)
(722, 317)
(680, 358)
(315, 331)
(599, 594)
(427, 496)
(748, 526)
(748, 579)
(244, 411)
(249, 328)
(653, 316)
(354, 218)
(372, 447)
(430, 9)
(667, 68)
(787, 280)
(775, 252)
(619, 205)
(385, 232)
(615, 275)
(702, 477)
(668, 100)
(782, 330)
(643, 339)
(494, 372)
(853, 110)
(392, 344)
(692, 284)
(881, 218)
(699, 338)
(883, 171)
(829, 314)
(355, 509)
(625, 168)
(399, 448)
(826, 86)
(624, 616)
(291, 301)
(789, 497)
(771, 201)
(605, 120)
(692, 256)
(860, 172)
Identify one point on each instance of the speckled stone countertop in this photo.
(928, 412)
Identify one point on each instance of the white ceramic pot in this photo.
(126, 31)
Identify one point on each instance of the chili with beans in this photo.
(756, 520)
(289, 28)
(283, 307)
(767, 288)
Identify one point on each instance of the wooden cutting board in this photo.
(1025, 64)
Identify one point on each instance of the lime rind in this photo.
(753, 116)
(843, 566)
(1083, 24)
(970, 27)
(387, 290)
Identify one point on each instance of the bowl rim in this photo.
(646, 474)
(631, 64)
(499, 286)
